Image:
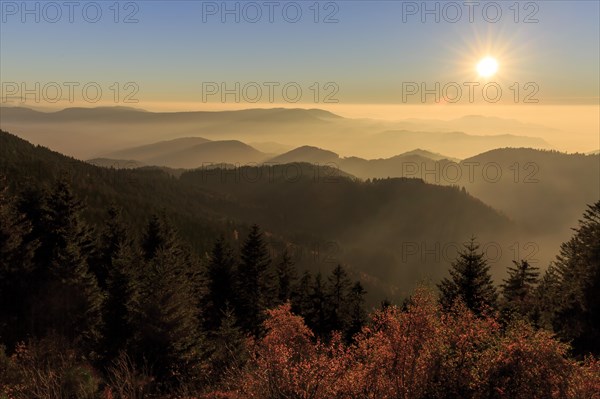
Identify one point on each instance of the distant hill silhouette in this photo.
(359, 167)
(116, 163)
(458, 144)
(159, 149)
(191, 152)
(92, 132)
(306, 154)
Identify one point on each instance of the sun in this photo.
(487, 67)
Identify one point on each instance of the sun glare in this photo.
(487, 67)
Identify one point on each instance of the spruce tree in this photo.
(227, 347)
(317, 314)
(518, 290)
(286, 277)
(469, 281)
(165, 317)
(67, 300)
(547, 300)
(220, 284)
(12, 230)
(31, 203)
(301, 301)
(577, 315)
(16, 266)
(117, 267)
(338, 289)
(357, 313)
(255, 282)
(113, 237)
(158, 234)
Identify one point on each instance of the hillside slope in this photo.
(372, 227)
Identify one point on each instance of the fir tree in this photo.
(158, 234)
(317, 314)
(518, 290)
(65, 298)
(117, 267)
(301, 302)
(577, 316)
(165, 318)
(338, 289)
(255, 283)
(469, 281)
(357, 313)
(547, 300)
(16, 266)
(227, 346)
(220, 284)
(113, 237)
(12, 230)
(286, 277)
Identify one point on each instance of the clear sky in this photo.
(370, 55)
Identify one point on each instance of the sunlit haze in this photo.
(323, 199)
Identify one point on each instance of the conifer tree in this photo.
(577, 316)
(301, 301)
(469, 281)
(317, 314)
(113, 237)
(16, 279)
(165, 317)
(286, 277)
(58, 294)
(227, 345)
(31, 203)
(117, 267)
(64, 295)
(546, 298)
(338, 289)
(73, 293)
(158, 234)
(12, 230)
(518, 290)
(220, 284)
(255, 282)
(357, 312)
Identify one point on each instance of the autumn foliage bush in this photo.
(47, 369)
(420, 352)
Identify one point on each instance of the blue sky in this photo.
(369, 53)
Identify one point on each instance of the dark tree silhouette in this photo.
(16, 267)
(301, 302)
(469, 281)
(75, 313)
(577, 314)
(117, 267)
(165, 318)
(338, 289)
(227, 346)
(286, 277)
(317, 314)
(220, 284)
(255, 282)
(519, 289)
(357, 313)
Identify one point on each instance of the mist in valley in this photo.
(517, 178)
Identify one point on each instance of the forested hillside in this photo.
(380, 229)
